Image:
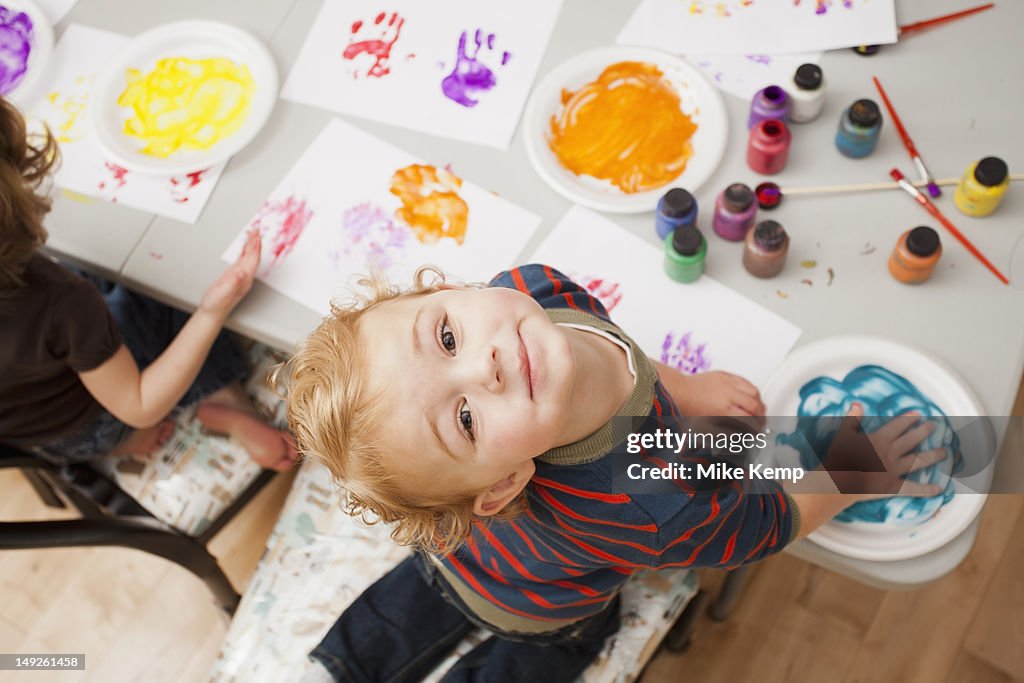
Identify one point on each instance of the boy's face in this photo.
(475, 383)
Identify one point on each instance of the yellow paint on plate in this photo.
(625, 127)
(431, 204)
(186, 104)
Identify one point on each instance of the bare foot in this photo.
(268, 447)
(145, 441)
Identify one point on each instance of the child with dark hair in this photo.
(72, 344)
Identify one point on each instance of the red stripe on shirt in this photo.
(580, 493)
(649, 528)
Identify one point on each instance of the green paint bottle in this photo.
(686, 252)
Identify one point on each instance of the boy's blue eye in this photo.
(466, 420)
(447, 337)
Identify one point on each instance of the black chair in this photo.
(111, 517)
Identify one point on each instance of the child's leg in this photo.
(399, 629)
(562, 656)
(229, 411)
(145, 441)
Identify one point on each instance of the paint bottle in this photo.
(765, 248)
(916, 253)
(676, 208)
(806, 94)
(768, 147)
(735, 210)
(858, 130)
(982, 188)
(686, 252)
(768, 103)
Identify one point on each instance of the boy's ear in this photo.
(493, 500)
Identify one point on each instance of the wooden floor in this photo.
(139, 618)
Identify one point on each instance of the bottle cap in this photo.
(990, 171)
(677, 202)
(769, 235)
(922, 241)
(737, 197)
(808, 77)
(769, 195)
(771, 129)
(687, 240)
(775, 95)
(864, 113)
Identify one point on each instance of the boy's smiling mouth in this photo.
(524, 364)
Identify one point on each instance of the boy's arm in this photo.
(142, 399)
(710, 393)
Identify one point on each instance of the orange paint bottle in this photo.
(915, 256)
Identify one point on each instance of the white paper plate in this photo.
(197, 40)
(39, 55)
(835, 357)
(700, 100)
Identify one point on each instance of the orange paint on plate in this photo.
(626, 127)
(431, 204)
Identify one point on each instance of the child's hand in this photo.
(234, 283)
(873, 465)
(714, 393)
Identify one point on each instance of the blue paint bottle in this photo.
(677, 208)
(858, 130)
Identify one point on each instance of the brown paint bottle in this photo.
(765, 248)
(916, 253)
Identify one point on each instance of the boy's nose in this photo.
(489, 369)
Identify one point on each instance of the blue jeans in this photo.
(406, 623)
(147, 327)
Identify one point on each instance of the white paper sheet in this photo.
(455, 68)
(741, 27)
(744, 75)
(694, 327)
(339, 211)
(56, 9)
(80, 55)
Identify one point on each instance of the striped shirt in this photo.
(568, 555)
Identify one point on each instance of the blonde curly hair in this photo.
(337, 420)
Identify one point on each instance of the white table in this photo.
(957, 88)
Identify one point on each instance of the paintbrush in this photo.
(931, 208)
(770, 195)
(919, 25)
(922, 170)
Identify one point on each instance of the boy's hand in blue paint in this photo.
(235, 282)
(873, 465)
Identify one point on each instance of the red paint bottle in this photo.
(768, 148)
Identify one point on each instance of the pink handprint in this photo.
(384, 31)
(470, 75)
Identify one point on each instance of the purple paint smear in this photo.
(683, 354)
(470, 75)
(371, 236)
(15, 46)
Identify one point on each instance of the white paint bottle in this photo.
(806, 93)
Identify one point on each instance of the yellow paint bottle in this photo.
(982, 188)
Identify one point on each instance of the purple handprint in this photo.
(370, 236)
(15, 46)
(470, 75)
(683, 355)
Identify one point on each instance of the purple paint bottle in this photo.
(675, 209)
(768, 103)
(735, 210)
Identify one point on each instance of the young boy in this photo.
(477, 421)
